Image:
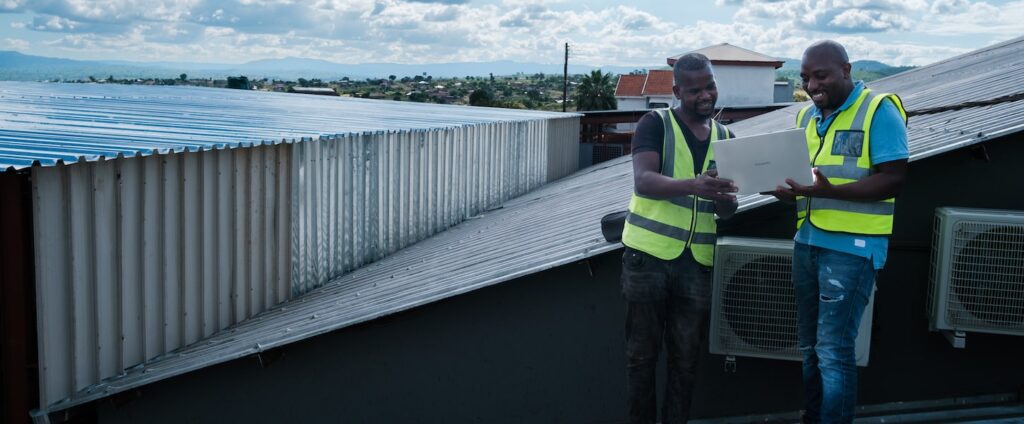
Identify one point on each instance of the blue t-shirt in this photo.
(888, 134)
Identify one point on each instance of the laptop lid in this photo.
(759, 163)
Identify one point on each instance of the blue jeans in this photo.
(668, 301)
(832, 290)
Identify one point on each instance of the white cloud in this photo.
(961, 17)
(114, 11)
(632, 19)
(949, 6)
(351, 31)
(897, 5)
(213, 32)
(446, 14)
(256, 16)
(528, 16)
(858, 20)
(14, 44)
(12, 5)
(846, 16)
(55, 24)
(897, 53)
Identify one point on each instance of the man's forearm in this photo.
(658, 186)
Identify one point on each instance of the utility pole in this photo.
(565, 78)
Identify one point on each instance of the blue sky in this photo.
(636, 33)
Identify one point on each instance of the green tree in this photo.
(418, 96)
(481, 97)
(240, 82)
(596, 92)
(183, 77)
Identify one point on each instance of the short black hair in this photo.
(689, 62)
(830, 50)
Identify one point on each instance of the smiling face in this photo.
(826, 77)
(697, 92)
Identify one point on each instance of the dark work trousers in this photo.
(668, 300)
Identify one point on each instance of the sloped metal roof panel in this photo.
(47, 123)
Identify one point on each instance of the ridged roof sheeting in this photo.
(47, 123)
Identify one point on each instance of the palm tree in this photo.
(596, 92)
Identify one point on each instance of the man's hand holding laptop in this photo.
(719, 190)
(709, 186)
(820, 188)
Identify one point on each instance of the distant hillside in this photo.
(873, 74)
(790, 64)
(869, 65)
(382, 70)
(22, 67)
(17, 66)
(867, 70)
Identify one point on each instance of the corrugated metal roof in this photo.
(46, 123)
(552, 226)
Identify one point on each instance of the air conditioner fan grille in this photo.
(987, 276)
(758, 306)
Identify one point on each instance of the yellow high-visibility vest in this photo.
(665, 228)
(843, 155)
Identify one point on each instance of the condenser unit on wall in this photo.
(753, 309)
(977, 273)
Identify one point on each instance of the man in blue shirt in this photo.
(845, 219)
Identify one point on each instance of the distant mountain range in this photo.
(862, 69)
(22, 67)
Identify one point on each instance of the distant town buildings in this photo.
(745, 78)
(322, 91)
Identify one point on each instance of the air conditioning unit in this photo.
(753, 307)
(977, 272)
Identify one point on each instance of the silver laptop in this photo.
(759, 163)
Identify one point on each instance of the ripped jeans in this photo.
(832, 290)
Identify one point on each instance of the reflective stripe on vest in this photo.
(874, 218)
(664, 228)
